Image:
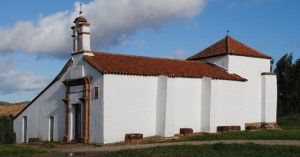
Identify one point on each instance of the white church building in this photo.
(99, 97)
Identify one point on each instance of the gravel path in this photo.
(139, 146)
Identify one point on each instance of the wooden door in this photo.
(78, 122)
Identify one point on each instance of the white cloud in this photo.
(111, 23)
(17, 80)
(179, 54)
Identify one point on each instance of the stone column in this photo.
(86, 88)
(67, 114)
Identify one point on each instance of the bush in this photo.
(7, 134)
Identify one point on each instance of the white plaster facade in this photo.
(154, 105)
(252, 69)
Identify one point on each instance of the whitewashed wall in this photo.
(165, 105)
(38, 113)
(222, 104)
(230, 103)
(187, 102)
(129, 106)
(251, 69)
(269, 98)
(161, 100)
(206, 100)
(96, 105)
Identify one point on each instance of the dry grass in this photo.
(6, 110)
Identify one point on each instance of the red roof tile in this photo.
(108, 63)
(80, 19)
(230, 46)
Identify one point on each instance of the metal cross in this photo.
(80, 12)
(227, 32)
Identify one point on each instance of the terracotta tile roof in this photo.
(80, 19)
(108, 63)
(230, 46)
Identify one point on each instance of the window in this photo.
(51, 128)
(96, 93)
(24, 129)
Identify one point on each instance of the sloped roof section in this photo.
(108, 63)
(62, 72)
(230, 46)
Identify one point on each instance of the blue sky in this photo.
(36, 43)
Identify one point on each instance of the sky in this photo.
(35, 36)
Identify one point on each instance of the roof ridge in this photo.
(227, 44)
(182, 60)
(250, 47)
(108, 63)
(207, 48)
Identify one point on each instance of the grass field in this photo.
(291, 122)
(10, 150)
(290, 131)
(215, 150)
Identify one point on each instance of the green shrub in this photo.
(7, 134)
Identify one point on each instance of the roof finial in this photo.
(227, 32)
(80, 12)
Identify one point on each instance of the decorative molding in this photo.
(88, 33)
(84, 24)
(86, 88)
(268, 73)
(79, 52)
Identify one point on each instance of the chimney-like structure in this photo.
(81, 35)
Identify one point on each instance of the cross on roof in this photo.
(80, 12)
(227, 32)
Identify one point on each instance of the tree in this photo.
(284, 84)
(296, 85)
(288, 85)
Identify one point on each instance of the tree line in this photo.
(288, 85)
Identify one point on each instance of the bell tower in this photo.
(81, 35)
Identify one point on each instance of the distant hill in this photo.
(8, 103)
(6, 110)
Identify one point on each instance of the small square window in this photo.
(96, 93)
